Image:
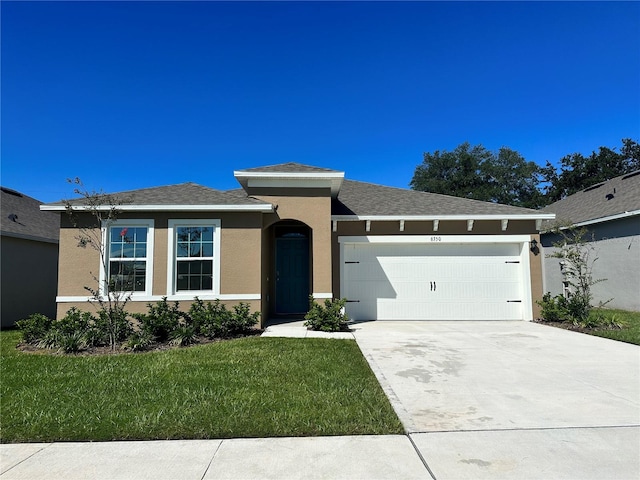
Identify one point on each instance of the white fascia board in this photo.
(617, 216)
(383, 218)
(284, 175)
(609, 218)
(332, 180)
(165, 208)
(435, 239)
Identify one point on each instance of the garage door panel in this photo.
(433, 282)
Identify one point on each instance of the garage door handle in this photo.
(431, 286)
(514, 301)
(353, 301)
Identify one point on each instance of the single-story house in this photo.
(610, 213)
(28, 258)
(294, 230)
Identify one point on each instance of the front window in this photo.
(128, 252)
(194, 260)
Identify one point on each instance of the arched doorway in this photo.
(291, 268)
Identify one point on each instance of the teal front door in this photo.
(292, 274)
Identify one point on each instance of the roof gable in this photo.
(290, 167)
(273, 179)
(617, 196)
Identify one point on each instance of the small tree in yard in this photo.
(576, 255)
(103, 210)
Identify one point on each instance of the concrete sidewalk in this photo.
(298, 330)
(352, 457)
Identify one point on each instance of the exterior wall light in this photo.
(533, 246)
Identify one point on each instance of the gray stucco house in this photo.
(610, 211)
(28, 258)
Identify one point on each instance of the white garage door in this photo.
(433, 281)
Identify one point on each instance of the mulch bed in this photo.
(572, 327)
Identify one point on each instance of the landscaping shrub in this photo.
(183, 335)
(576, 311)
(70, 334)
(553, 309)
(327, 318)
(215, 320)
(242, 320)
(138, 341)
(34, 327)
(210, 319)
(114, 324)
(75, 321)
(162, 319)
(164, 322)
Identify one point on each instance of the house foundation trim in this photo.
(322, 295)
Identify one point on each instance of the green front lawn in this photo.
(630, 331)
(250, 387)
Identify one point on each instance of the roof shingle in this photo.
(21, 217)
(360, 198)
(181, 194)
(618, 195)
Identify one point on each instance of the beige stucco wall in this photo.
(240, 263)
(77, 265)
(246, 248)
(315, 212)
(535, 262)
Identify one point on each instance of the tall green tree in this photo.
(477, 173)
(512, 180)
(577, 172)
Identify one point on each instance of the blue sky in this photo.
(129, 95)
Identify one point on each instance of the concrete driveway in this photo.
(510, 399)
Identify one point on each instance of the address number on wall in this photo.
(436, 239)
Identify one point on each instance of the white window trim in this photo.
(171, 257)
(106, 242)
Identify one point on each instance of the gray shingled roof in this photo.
(181, 194)
(290, 167)
(360, 198)
(613, 197)
(21, 217)
(355, 198)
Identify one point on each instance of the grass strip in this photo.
(630, 332)
(250, 387)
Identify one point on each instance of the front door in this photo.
(292, 273)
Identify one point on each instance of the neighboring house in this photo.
(28, 258)
(610, 213)
(294, 230)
